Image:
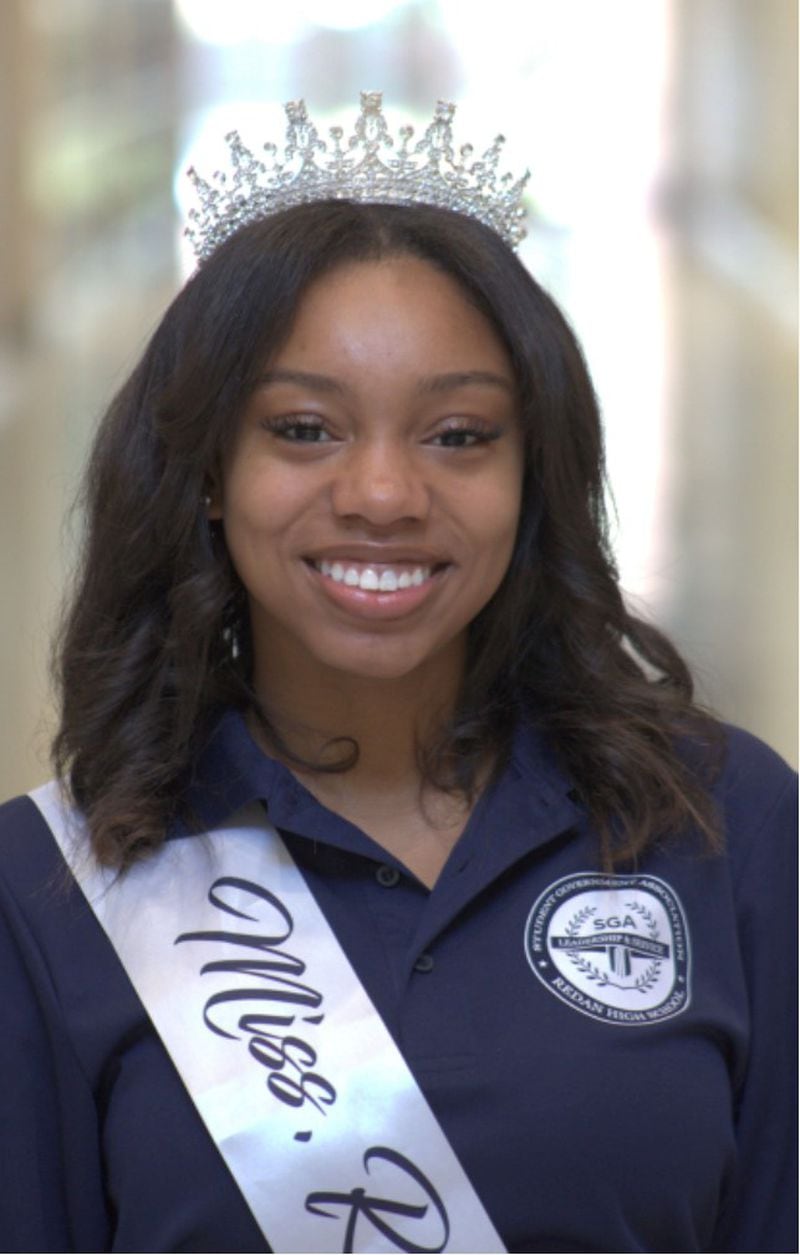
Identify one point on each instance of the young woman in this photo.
(345, 568)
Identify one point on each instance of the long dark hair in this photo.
(155, 640)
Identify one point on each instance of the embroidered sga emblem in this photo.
(614, 947)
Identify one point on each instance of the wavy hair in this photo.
(155, 638)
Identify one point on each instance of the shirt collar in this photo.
(533, 796)
(231, 771)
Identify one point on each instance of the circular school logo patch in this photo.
(614, 947)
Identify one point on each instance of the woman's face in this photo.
(371, 499)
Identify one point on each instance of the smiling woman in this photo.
(550, 634)
(420, 861)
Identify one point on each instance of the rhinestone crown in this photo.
(368, 167)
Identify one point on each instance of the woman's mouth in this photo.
(375, 578)
(377, 590)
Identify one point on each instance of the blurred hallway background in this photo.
(661, 139)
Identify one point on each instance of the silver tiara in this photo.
(368, 167)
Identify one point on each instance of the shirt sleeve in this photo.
(760, 1209)
(51, 1198)
(101, 1146)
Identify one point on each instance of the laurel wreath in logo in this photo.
(648, 917)
(578, 920)
(646, 979)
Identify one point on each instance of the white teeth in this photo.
(371, 580)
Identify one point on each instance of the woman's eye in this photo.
(464, 437)
(298, 430)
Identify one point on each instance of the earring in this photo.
(207, 501)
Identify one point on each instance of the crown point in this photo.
(313, 169)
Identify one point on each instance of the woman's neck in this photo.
(385, 792)
(313, 708)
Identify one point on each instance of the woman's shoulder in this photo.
(37, 890)
(750, 763)
(39, 896)
(25, 837)
(51, 942)
(18, 811)
(753, 779)
(756, 792)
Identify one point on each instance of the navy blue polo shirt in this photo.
(611, 1057)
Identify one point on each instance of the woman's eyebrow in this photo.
(446, 382)
(465, 378)
(304, 378)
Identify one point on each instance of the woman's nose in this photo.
(380, 482)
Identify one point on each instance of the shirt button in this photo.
(424, 963)
(387, 876)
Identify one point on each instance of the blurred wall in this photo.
(97, 102)
(87, 124)
(733, 208)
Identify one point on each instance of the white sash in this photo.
(294, 1073)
